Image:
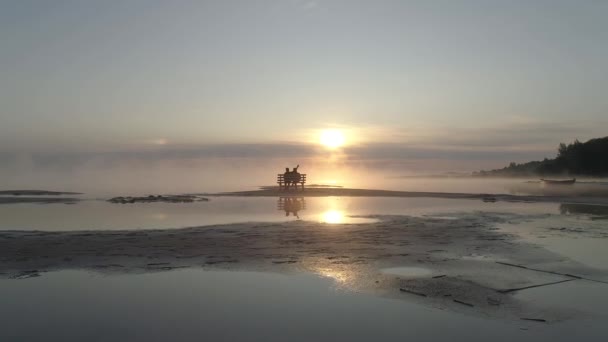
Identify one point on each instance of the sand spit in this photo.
(347, 192)
(34, 196)
(39, 200)
(36, 193)
(472, 266)
(158, 198)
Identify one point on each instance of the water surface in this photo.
(196, 305)
(99, 214)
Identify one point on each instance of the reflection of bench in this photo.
(291, 204)
(284, 185)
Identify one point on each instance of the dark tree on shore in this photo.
(589, 158)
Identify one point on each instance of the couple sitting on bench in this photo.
(292, 177)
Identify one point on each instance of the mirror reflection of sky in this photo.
(97, 214)
(245, 306)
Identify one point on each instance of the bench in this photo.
(285, 186)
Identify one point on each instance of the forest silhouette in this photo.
(586, 159)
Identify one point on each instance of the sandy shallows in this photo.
(554, 197)
(463, 262)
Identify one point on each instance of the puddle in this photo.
(243, 306)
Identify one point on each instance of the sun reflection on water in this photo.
(333, 217)
(340, 276)
(337, 268)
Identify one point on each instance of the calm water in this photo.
(196, 305)
(98, 214)
(94, 213)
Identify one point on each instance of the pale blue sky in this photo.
(434, 77)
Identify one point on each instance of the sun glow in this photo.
(331, 138)
(333, 217)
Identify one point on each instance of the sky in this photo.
(108, 87)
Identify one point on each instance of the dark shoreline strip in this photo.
(463, 303)
(551, 272)
(533, 286)
(534, 319)
(412, 292)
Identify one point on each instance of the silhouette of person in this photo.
(286, 178)
(295, 176)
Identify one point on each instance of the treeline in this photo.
(588, 159)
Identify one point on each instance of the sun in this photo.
(331, 138)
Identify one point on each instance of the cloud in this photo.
(224, 167)
(447, 149)
(405, 152)
(517, 135)
(372, 152)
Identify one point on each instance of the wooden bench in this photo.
(283, 185)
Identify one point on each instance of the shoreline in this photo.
(330, 192)
(350, 192)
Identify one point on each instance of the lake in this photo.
(250, 304)
(99, 214)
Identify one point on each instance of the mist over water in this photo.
(104, 178)
(138, 176)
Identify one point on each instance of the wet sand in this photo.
(38, 196)
(470, 265)
(19, 196)
(348, 192)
